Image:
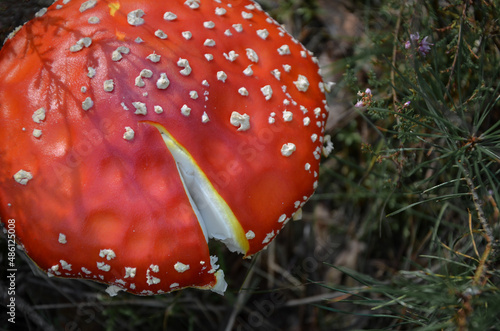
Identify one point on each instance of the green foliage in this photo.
(426, 182)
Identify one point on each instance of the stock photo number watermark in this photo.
(11, 270)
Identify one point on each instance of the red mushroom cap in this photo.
(134, 131)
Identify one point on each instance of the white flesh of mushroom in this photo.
(214, 215)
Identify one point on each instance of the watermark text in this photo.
(11, 270)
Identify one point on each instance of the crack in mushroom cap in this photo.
(102, 153)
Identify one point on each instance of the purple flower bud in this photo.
(359, 104)
(415, 37)
(425, 46)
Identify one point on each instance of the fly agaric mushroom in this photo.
(134, 131)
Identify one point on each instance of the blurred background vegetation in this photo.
(403, 231)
